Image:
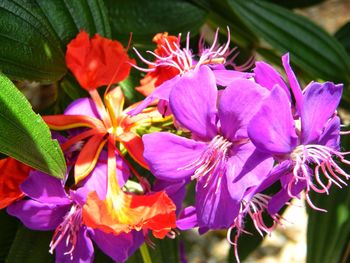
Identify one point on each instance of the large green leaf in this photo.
(24, 135)
(146, 18)
(30, 247)
(67, 18)
(29, 48)
(296, 3)
(8, 229)
(311, 48)
(343, 35)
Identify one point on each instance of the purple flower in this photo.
(183, 60)
(49, 207)
(219, 155)
(301, 130)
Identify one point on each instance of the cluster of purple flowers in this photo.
(242, 133)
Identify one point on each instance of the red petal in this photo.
(88, 157)
(134, 145)
(95, 61)
(12, 174)
(65, 122)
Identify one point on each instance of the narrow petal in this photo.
(134, 145)
(238, 104)
(65, 122)
(293, 82)
(118, 247)
(268, 77)
(45, 189)
(162, 92)
(193, 102)
(88, 157)
(82, 253)
(162, 153)
(319, 105)
(272, 128)
(38, 216)
(224, 77)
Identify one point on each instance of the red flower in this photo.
(12, 174)
(98, 61)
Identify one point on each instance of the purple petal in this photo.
(319, 105)
(161, 92)
(193, 102)
(238, 104)
(224, 77)
(83, 106)
(293, 82)
(45, 189)
(83, 251)
(272, 128)
(168, 155)
(38, 216)
(214, 205)
(331, 135)
(119, 247)
(247, 167)
(268, 77)
(187, 219)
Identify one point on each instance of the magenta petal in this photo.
(224, 77)
(319, 105)
(331, 135)
(268, 77)
(293, 82)
(193, 102)
(187, 219)
(168, 155)
(83, 106)
(38, 216)
(247, 167)
(45, 189)
(272, 128)
(238, 104)
(214, 205)
(82, 253)
(161, 92)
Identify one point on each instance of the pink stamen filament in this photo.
(70, 227)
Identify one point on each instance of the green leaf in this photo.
(24, 135)
(67, 18)
(29, 48)
(8, 229)
(295, 3)
(311, 48)
(343, 35)
(30, 247)
(146, 18)
(328, 233)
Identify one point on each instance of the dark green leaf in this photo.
(295, 3)
(343, 35)
(311, 48)
(67, 18)
(24, 135)
(29, 48)
(8, 229)
(146, 18)
(328, 233)
(30, 247)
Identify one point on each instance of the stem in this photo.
(145, 254)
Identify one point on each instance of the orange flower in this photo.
(94, 62)
(121, 212)
(12, 174)
(161, 73)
